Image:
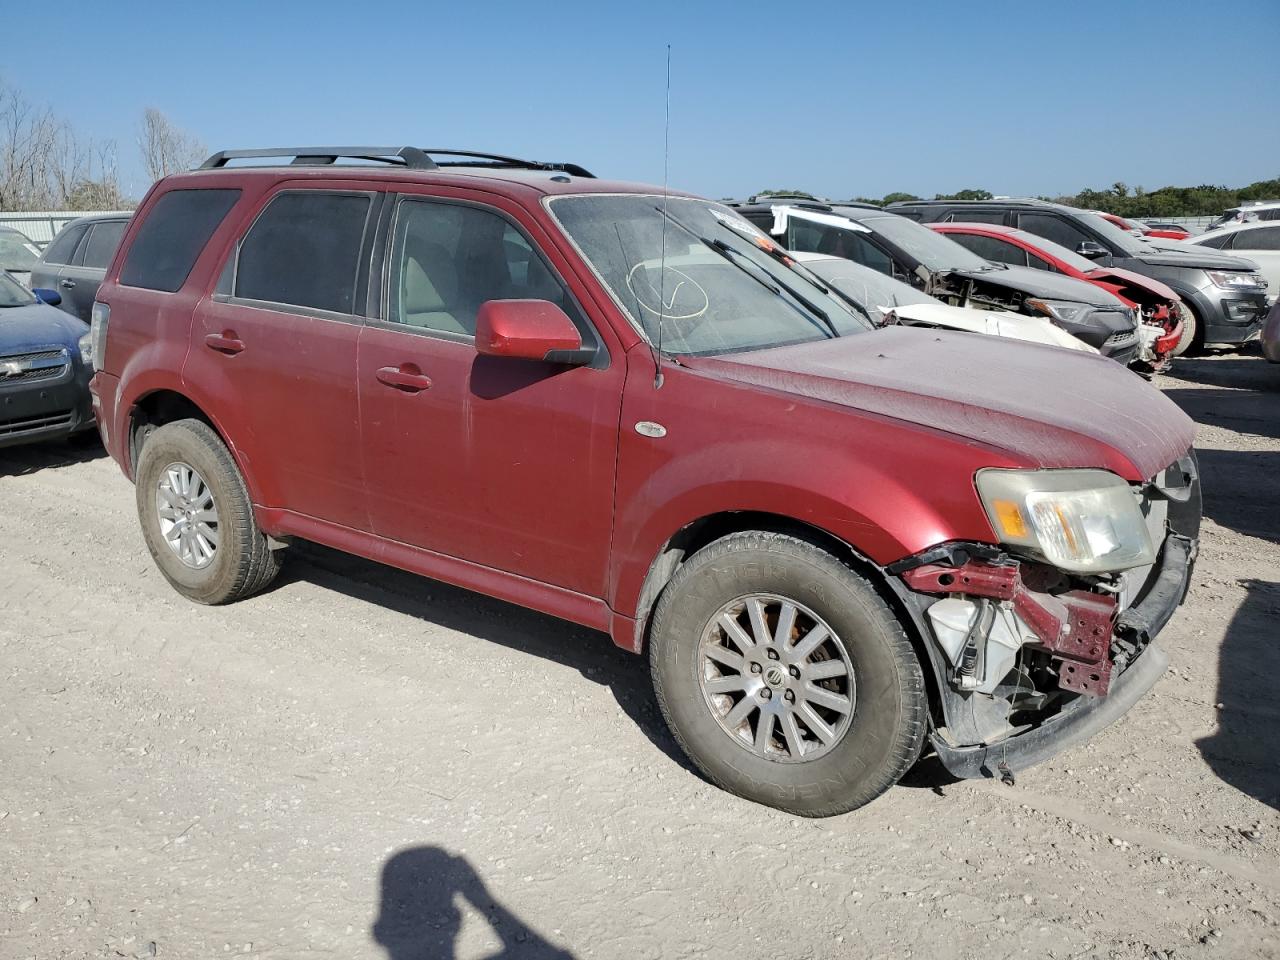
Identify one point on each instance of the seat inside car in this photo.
(429, 288)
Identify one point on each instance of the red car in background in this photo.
(1159, 306)
(1169, 231)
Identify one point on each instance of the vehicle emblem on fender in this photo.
(647, 428)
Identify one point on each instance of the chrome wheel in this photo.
(776, 678)
(188, 515)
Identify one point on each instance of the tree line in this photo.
(45, 164)
(1120, 199)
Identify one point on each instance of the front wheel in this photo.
(1192, 341)
(785, 677)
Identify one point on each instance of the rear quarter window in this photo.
(171, 237)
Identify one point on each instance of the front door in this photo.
(505, 463)
(276, 345)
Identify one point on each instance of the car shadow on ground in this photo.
(1243, 749)
(1236, 372)
(419, 916)
(28, 458)
(589, 652)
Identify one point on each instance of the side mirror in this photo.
(45, 295)
(1092, 249)
(529, 330)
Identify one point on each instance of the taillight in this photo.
(98, 318)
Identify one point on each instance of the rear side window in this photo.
(64, 245)
(170, 239)
(852, 245)
(976, 216)
(304, 251)
(1219, 243)
(102, 243)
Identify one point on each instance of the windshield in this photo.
(16, 251)
(14, 294)
(935, 251)
(868, 288)
(722, 289)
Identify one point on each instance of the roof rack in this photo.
(413, 158)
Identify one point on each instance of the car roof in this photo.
(95, 218)
(1000, 228)
(526, 184)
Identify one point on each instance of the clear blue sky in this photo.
(838, 98)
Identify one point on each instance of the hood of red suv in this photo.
(1048, 407)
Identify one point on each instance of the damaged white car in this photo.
(886, 301)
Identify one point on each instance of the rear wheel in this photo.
(196, 516)
(785, 677)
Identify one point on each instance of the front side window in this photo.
(837, 242)
(989, 248)
(168, 243)
(1262, 238)
(303, 250)
(448, 258)
(700, 273)
(102, 243)
(1054, 228)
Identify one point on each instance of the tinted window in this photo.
(990, 248)
(16, 252)
(976, 216)
(1034, 261)
(304, 250)
(837, 242)
(64, 244)
(1263, 238)
(1220, 242)
(1053, 228)
(102, 243)
(447, 259)
(176, 229)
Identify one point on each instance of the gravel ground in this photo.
(359, 763)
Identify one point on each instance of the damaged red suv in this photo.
(836, 542)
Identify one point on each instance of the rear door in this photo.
(277, 343)
(79, 279)
(501, 462)
(47, 273)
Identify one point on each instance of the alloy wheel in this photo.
(188, 516)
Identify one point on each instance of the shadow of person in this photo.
(1242, 751)
(419, 917)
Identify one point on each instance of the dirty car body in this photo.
(985, 558)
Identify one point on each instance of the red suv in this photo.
(634, 411)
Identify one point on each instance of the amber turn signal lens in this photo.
(1012, 525)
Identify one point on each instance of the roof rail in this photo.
(413, 158)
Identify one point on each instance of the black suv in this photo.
(942, 268)
(1225, 295)
(76, 261)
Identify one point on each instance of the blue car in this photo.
(44, 367)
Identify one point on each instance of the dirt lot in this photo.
(359, 763)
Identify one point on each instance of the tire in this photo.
(241, 562)
(1192, 342)
(792, 768)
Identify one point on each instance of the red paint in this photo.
(528, 480)
(1155, 300)
(524, 329)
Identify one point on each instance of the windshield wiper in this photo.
(775, 287)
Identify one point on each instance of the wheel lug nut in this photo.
(755, 668)
(789, 697)
(766, 694)
(773, 654)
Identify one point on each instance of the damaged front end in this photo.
(1031, 659)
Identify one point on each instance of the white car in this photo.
(1258, 241)
(887, 300)
(17, 254)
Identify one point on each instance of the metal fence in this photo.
(42, 226)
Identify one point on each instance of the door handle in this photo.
(226, 342)
(406, 377)
(67, 284)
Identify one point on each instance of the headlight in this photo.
(1235, 280)
(1084, 521)
(86, 349)
(1063, 310)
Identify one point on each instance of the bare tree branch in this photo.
(165, 148)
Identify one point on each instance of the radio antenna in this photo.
(662, 263)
